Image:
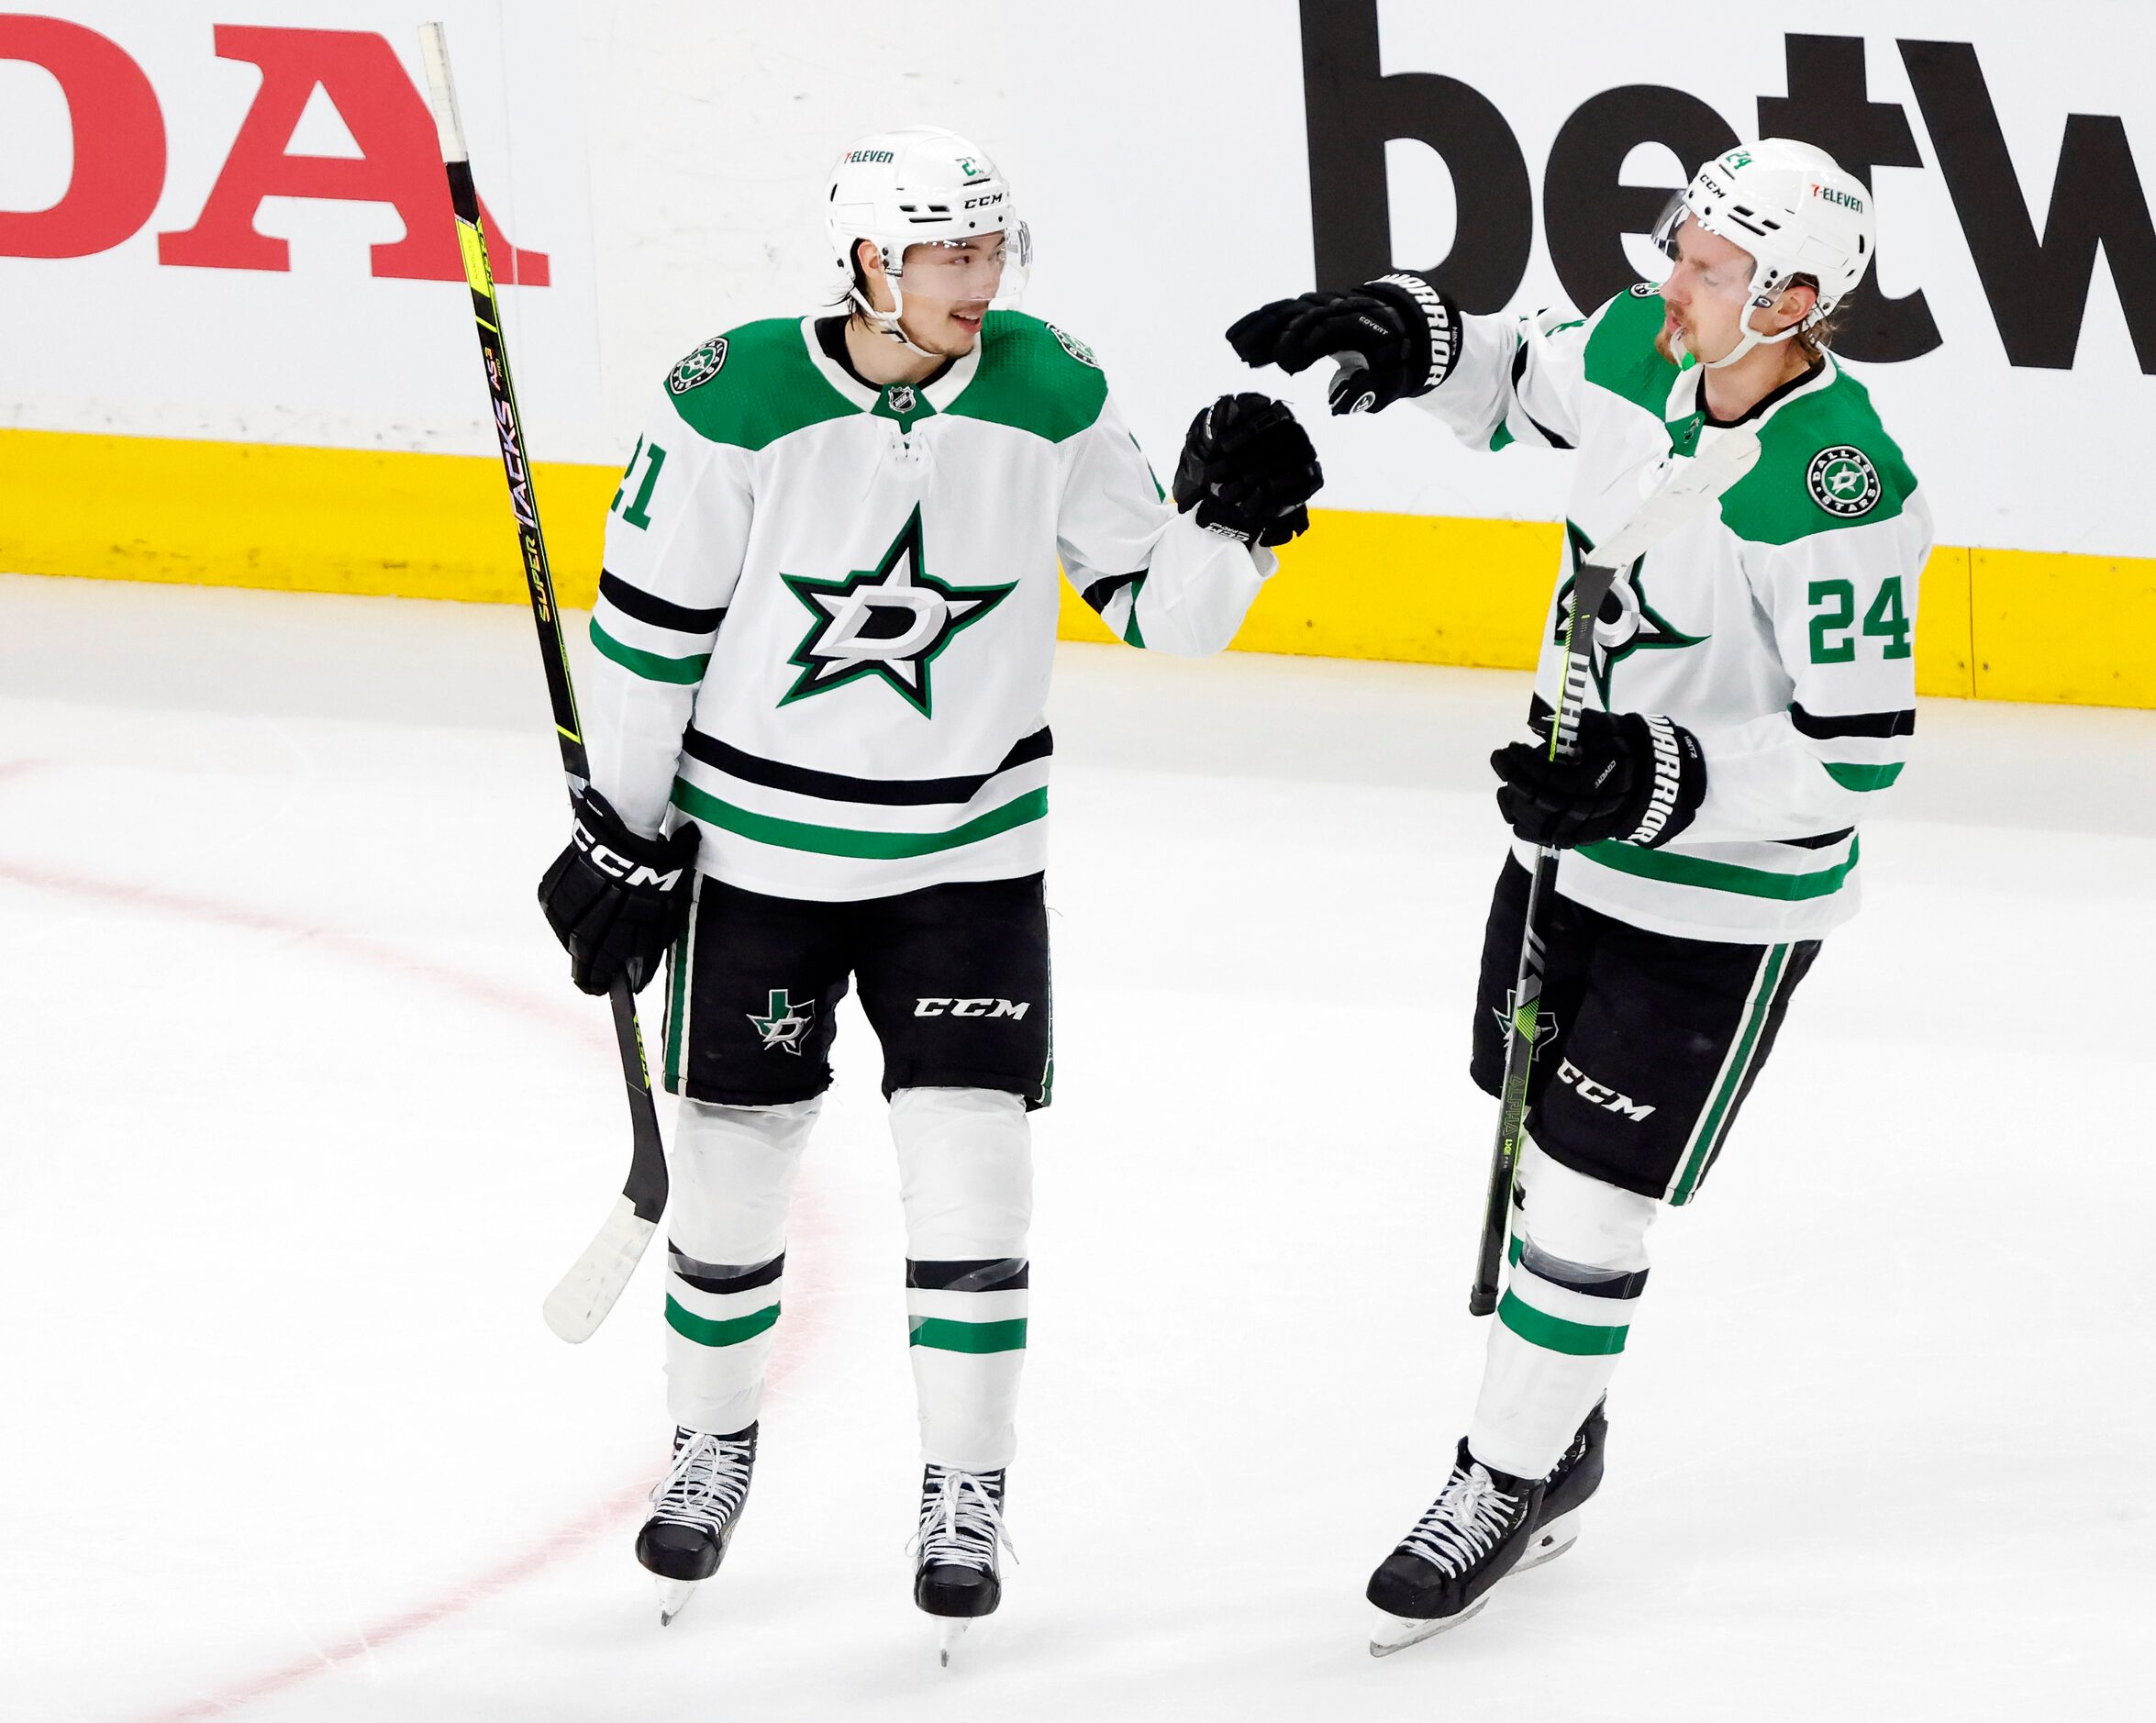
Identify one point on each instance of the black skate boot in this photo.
(1565, 1491)
(960, 1535)
(1467, 1540)
(694, 1508)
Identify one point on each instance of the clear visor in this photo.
(1667, 224)
(993, 266)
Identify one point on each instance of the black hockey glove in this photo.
(615, 899)
(1249, 468)
(1395, 337)
(1636, 779)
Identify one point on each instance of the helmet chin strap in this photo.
(1751, 338)
(885, 323)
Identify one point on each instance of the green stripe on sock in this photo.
(1554, 1334)
(1517, 1249)
(1862, 777)
(968, 1337)
(868, 846)
(731, 1332)
(1719, 876)
(652, 666)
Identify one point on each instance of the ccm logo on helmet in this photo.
(982, 203)
(615, 866)
(971, 1008)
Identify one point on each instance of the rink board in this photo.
(2007, 625)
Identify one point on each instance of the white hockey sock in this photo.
(1579, 1266)
(733, 1171)
(965, 1166)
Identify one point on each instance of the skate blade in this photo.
(673, 1597)
(1550, 1542)
(950, 1631)
(1396, 1633)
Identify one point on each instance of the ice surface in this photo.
(300, 1118)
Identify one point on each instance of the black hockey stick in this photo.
(575, 1308)
(1688, 490)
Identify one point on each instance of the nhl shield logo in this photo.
(902, 397)
(700, 366)
(1844, 482)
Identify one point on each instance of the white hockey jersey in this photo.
(1779, 631)
(828, 617)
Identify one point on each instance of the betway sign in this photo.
(2034, 280)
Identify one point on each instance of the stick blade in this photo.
(1693, 487)
(575, 1308)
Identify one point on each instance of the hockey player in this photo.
(824, 636)
(1753, 687)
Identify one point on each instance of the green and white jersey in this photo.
(828, 617)
(1779, 631)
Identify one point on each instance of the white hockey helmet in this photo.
(919, 185)
(1795, 209)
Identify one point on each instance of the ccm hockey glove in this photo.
(1395, 337)
(1248, 467)
(616, 900)
(1637, 779)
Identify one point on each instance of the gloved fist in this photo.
(1395, 337)
(616, 899)
(1635, 778)
(1248, 467)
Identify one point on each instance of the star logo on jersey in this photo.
(1844, 482)
(1627, 622)
(1509, 1019)
(786, 1026)
(891, 622)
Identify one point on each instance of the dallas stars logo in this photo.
(787, 1024)
(1627, 622)
(891, 621)
(1509, 1016)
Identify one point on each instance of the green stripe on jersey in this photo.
(766, 387)
(968, 1337)
(1554, 1334)
(706, 1332)
(1861, 777)
(685, 672)
(1719, 876)
(865, 846)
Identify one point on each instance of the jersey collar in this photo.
(939, 394)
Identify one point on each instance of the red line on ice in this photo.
(564, 1540)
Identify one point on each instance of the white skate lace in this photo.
(1464, 1523)
(962, 1519)
(707, 1483)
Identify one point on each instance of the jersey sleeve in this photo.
(1517, 379)
(1843, 609)
(675, 540)
(1151, 573)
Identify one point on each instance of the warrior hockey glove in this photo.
(1395, 337)
(1637, 779)
(615, 899)
(1248, 467)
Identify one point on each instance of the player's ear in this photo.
(1796, 304)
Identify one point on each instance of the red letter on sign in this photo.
(400, 162)
(119, 142)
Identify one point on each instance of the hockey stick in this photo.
(574, 1308)
(1691, 487)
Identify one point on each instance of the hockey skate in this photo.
(1565, 1492)
(960, 1535)
(694, 1508)
(1470, 1537)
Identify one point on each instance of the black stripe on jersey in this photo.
(832, 786)
(660, 613)
(1594, 1282)
(725, 1277)
(1519, 370)
(1102, 590)
(994, 1274)
(1881, 724)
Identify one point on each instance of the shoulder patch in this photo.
(1843, 481)
(1075, 347)
(1643, 290)
(700, 366)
